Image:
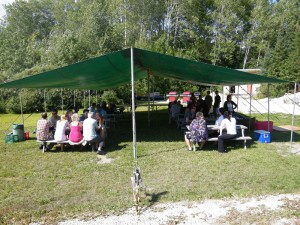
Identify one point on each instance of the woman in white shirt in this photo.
(229, 123)
(61, 126)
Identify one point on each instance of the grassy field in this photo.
(52, 186)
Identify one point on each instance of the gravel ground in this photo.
(259, 210)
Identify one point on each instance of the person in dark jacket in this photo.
(230, 105)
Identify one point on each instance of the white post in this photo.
(84, 99)
(62, 101)
(250, 110)
(89, 98)
(148, 99)
(237, 99)
(45, 103)
(292, 131)
(133, 107)
(96, 97)
(21, 107)
(269, 107)
(74, 99)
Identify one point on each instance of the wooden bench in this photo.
(54, 142)
(241, 138)
(61, 143)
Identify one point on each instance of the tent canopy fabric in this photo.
(114, 69)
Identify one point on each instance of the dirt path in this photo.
(279, 209)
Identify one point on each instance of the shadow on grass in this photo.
(284, 136)
(159, 152)
(153, 198)
(159, 130)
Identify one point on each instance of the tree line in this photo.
(39, 35)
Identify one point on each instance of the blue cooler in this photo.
(262, 136)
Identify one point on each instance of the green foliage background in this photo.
(38, 35)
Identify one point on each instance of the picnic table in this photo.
(242, 137)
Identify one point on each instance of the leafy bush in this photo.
(110, 96)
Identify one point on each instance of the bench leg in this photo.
(44, 146)
(245, 144)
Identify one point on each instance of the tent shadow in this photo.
(277, 136)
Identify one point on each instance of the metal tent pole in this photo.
(96, 97)
(84, 99)
(21, 107)
(152, 96)
(237, 99)
(62, 101)
(268, 107)
(74, 99)
(45, 101)
(250, 110)
(292, 130)
(148, 98)
(133, 107)
(89, 98)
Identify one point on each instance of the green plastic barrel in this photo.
(18, 129)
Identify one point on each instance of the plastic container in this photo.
(9, 139)
(15, 138)
(186, 95)
(263, 125)
(172, 96)
(262, 136)
(26, 135)
(18, 129)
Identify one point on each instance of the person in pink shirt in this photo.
(75, 129)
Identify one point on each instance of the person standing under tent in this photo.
(230, 105)
(101, 128)
(217, 104)
(208, 103)
(175, 111)
(53, 120)
(200, 104)
(229, 124)
(92, 107)
(84, 115)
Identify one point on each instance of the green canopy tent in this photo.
(114, 69)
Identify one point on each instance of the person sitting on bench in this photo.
(198, 132)
(75, 129)
(42, 132)
(90, 128)
(227, 130)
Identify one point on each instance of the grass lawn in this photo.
(52, 186)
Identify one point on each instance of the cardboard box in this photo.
(262, 136)
(263, 125)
